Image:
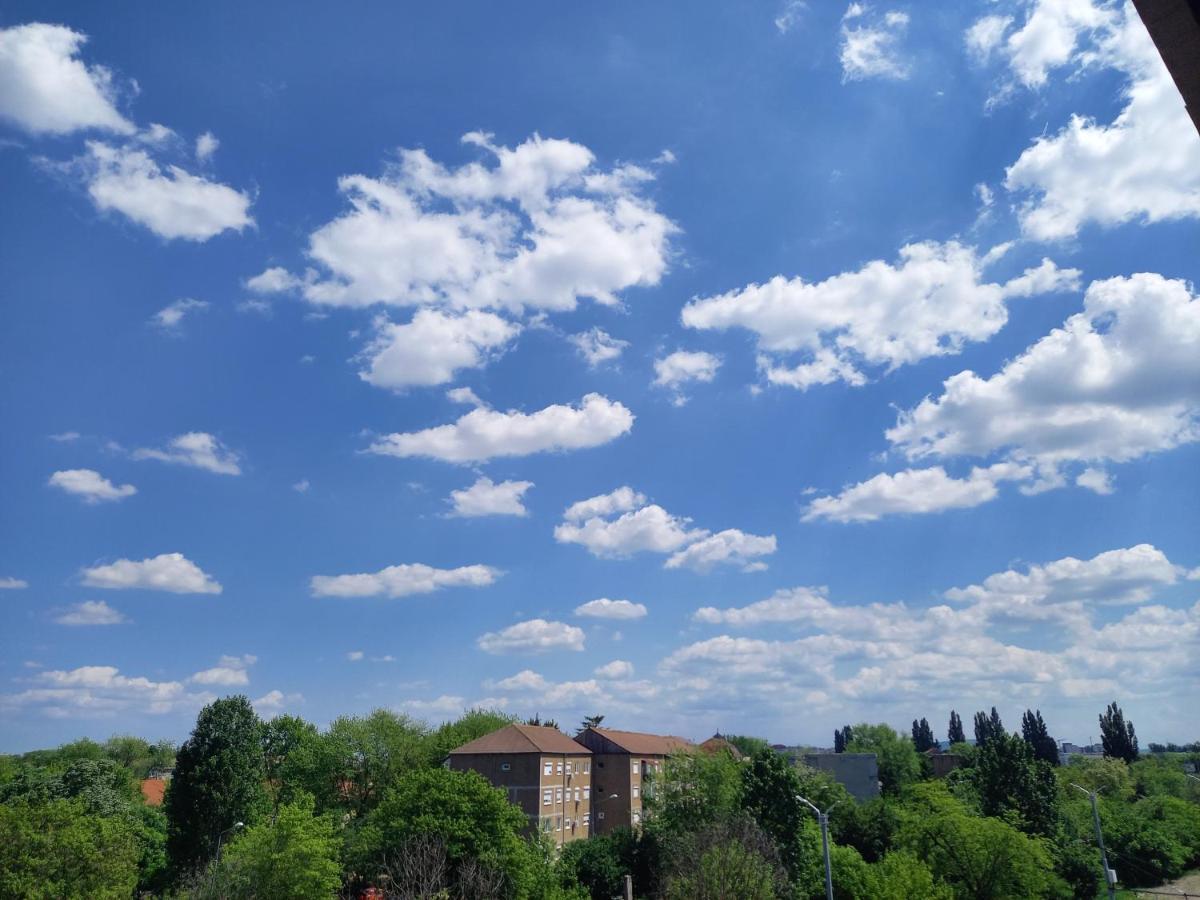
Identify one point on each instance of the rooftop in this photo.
(649, 744)
(523, 739)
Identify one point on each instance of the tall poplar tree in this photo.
(955, 733)
(1117, 735)
(1033, 730)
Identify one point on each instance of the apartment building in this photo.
(622, 760)
(546, 774)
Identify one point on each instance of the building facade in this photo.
(858, 773)
(624, 763)
(546, 774)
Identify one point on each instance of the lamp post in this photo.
(823, 819)
(233, 827)
(1108, 873)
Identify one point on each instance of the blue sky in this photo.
(849, 354)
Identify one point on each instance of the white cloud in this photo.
(621, 523)
(598, 347)
(1096, 480)
(445, 705)
(90, 485)
(274, 280)
(171, 572)
(486, 498)
(1048, 38)
(913, 491)
(533, 636)
(171, 203)
(617, 669)
(302, 486)
(1144, 166)
(731, 546)
(402, 580)
(604, 608)
(230, 671)
(871, 44)
(555, 695)
(683, 366)
(1116, 382)
(206, 146)
(932, 303)
(65, 437)
(355, 656)
(197, 449)
(46, 89)
(790, 15)
(8, 583)
(91, 691)
(541, 229)
(169, 318)
(433, 347)
(90, 612)
(483, 434)
(274, 701)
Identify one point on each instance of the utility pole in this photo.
(1109, 875)
(823, 819)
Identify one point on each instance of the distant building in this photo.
(546, 774)
(1067, 750)
(719, 744)
(623, 759)
(153, 790)
(942, 764)
(858, 773)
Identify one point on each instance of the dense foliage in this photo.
(283, 809)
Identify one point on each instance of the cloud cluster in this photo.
(540, 228)
(171, 317)
(230, 671)
(931, 303)
(604, 608)
(170, 572)
(533, 636)
(433, 347)
(196, 449)
(402, 581)
(91, 691)
(871, 44)
(90, 485)
(622, 523)
(597, 346)
(484, 434)
(487, 498)
(90, 612)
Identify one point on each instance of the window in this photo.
(587, 819)
(558, 823)
(637, 817)
(546, 825)
(587, 768)
(634, 767)
(549, 767)
(587, 793)
(577, 795)
(600, 815)
(504, 767)
(559, 772)
(547, 797)
(568, 767)
(635, 791)
(558, 795)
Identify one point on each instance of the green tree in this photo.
(987, 727)
(289, 745)
(955, 733)
(597, 864)
(747, 744)
(727, 871)
(770, 787)
(1109, 777)
(1035, 734)
(472, 724)
(902, 876)
(980, 858)
(590, 722)
(1117, 735)
(898, 762)
(922, 736)
(473, 821)
(293, 857)
(218, 781)
(694, 790)
(1011, 784)
(362, 756)
(56, 850)
(842, 738)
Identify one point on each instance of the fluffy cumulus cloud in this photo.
(230, 671)
(170, 572)
(553, 694)
(541, 227)
(171, 202)
(90, 612)
(197, 449)
(273, 702)
(484, 434)
(597, 346)
(871, 44)
(623, 523)
(433, 347)
(913, 491)
(1142, 166)
(170, 318)
(932, 302)
(90, 486)
(402, 580)
(1072, 652)
(682, 367)
(487, 498)
(615, 670)
(1049, 36)
(1117, 381)
(533, 636)
(99, 691)
(45, 88)
(604, 608)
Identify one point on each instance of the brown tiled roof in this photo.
(649, 744)
(523, 739)
(717, 743)
(153, 790)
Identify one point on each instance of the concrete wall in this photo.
(858, 773)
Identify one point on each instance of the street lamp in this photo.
(233, 827)
(823, 818)
(1109, 874)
